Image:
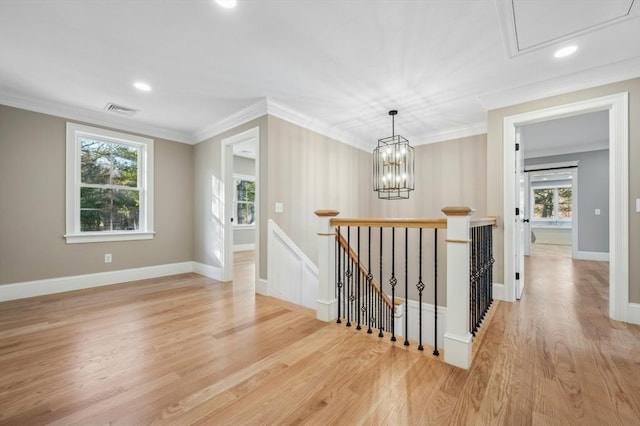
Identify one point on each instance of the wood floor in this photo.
(188, 350)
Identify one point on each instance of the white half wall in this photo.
(292, 275)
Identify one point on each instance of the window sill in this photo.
(240, 227)
(103, 237)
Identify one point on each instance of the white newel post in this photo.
(457, 337)
(327, 306)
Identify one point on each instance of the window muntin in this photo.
(109, 185)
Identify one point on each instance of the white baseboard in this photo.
(62, 284)
(428, 319)
(262, 287)
(592, 255)
(243, 247)
(499, 291)
(633, 313)
(208, 271)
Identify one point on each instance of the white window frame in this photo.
(236, 178)
(541, 222)
(145, 229)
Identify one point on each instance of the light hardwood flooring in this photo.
(187, 350)
(558, 250)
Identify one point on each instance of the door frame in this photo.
(226, 171)
(618, 107)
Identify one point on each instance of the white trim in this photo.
(313, 124)
(447, 135)
(618, 107)
(633, 313)
(243, 247)
(226, 172)
(592, 255)
(239, 118)
(562, 150)
(499, 291)
(458, 349)
(145, 150)
(78, 282)
(208, 271)
(262, 287)
(98, 118)
(619, 71)
(102, 237)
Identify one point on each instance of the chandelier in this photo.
(393, 166)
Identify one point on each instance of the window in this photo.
(551, 206)
(109, 185)
(245, 197)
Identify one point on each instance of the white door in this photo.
(526, 214)
(520, 225)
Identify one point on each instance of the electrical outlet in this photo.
(107, 258)
(279, 207)
(597, 212)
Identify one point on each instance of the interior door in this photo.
(526, 214)
(520, 225)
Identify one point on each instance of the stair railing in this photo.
(377, 273)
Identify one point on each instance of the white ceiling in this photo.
(335, 66)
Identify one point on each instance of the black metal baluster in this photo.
(380, 334)
(491, 261)
(369, 289)
(435, 291)
(348, 275)
(406, 287)
(358, 327)
(338, 270)
(420, 287)
(472, 293)
(393, 281)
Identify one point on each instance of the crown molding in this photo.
(563, 150)
(472, 130)
(99, 118)
(612, 73)
(239, 118)
(288, 114)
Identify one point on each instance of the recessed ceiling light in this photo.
(140, 85)
(227, 4)
(565, 51)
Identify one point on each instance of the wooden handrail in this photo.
(354, 257)
(483, 221)
(440, 223)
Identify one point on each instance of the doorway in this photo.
(617, 107)
(240, 167)
(552, 211)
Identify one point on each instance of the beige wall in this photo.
(206, 172)
(495, 167)
(32, 205)
(308, 172)
(450, 173)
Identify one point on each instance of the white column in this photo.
(327, 305)
(457, 338)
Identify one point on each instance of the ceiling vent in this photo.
(119, 109)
